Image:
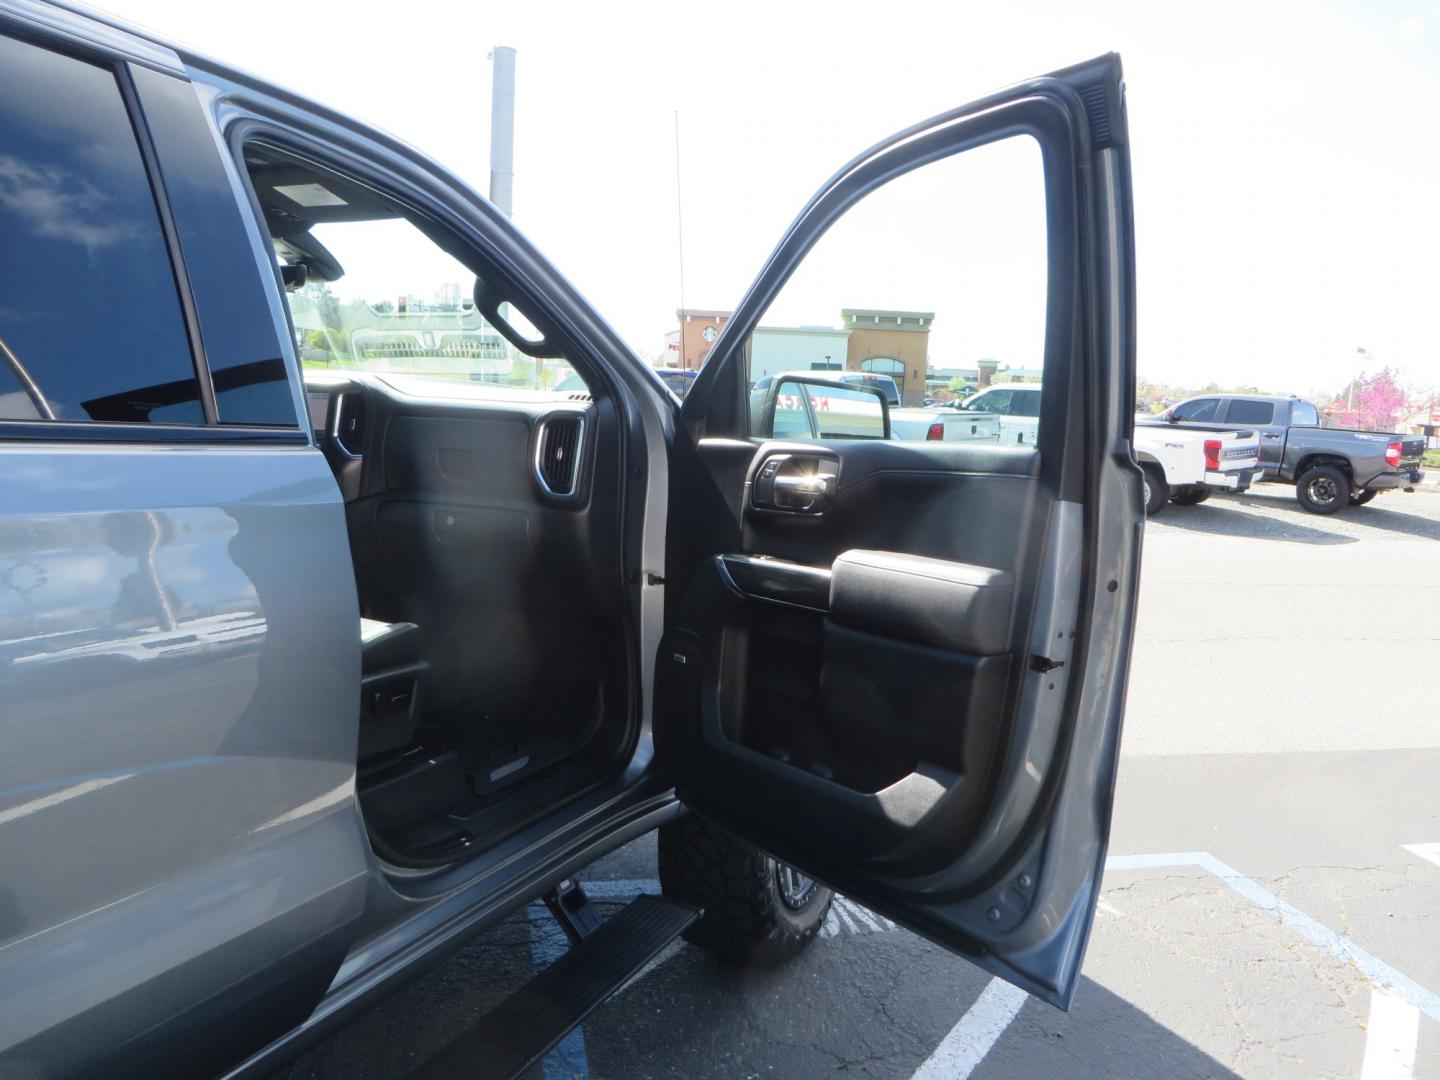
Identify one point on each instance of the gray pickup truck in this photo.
(333, 631)
(1330, 467)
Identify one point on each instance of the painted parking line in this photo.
(1392, 1037)
(847, 917)
(1376, 970)
(1392, 1032)
(1430, 852)
(970, 1040)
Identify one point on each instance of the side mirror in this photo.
(1168, 416)
(800, 407)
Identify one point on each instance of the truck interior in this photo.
(482, 485)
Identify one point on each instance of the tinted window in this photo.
(1025, 403)
(992, 401)
(1303, 414)
(237, 325)
(89, 311)
(1199, 410)
(1250, 412)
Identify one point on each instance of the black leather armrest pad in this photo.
(386, 645)
(936, 602)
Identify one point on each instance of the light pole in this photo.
(1350, 395)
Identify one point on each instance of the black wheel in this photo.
(758, 910)
(1157, 492)
(1192, 496)
(1360, 498)
(1323, 489)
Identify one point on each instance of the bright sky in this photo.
(1286, 155)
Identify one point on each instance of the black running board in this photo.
(527, 1025)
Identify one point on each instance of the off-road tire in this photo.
(1323, 489)
(746, 920)
(1157, 491)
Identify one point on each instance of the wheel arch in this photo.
(1340, 462)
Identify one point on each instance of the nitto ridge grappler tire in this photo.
(758, 910)
(1323, 489)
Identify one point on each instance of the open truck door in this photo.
(901, 666)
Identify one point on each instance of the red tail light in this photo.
(936, 431)
(1212, 454)
(1392, 454)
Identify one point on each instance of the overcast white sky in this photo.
(1286, 155)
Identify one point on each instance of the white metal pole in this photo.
(502, 128)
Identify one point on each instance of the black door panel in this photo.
(966, 503)
(853, 666)
(515, 594)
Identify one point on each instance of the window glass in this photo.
(884, 364)
(90, 316)
(1198, 411)
(1304, 414)
(237, 324)
(1025, 403)
(1250, 412)
(929, 281)
(991, 401)
(369, 290)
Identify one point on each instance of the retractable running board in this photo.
(530, 1022)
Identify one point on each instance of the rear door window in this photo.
(1304, 414)
(1199, 411)
(995, 401)
(91, 327)
(1025, 403)
(1250, 412)
(237, 325)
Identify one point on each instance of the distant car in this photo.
(1330, 467)
(884, 383)
(1185, 467)
(678, 382)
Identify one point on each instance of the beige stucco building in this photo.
(894, 343)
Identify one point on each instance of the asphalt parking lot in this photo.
(1272, 902)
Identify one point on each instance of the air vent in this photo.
(557, 453)
(580, 395)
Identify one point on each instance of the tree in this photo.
(1376, 402)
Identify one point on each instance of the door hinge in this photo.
(654, 579)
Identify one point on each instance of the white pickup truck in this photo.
(1181, 464)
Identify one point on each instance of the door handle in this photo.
(1270, 434)
(808, 494)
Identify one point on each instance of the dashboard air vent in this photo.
(557, 453)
